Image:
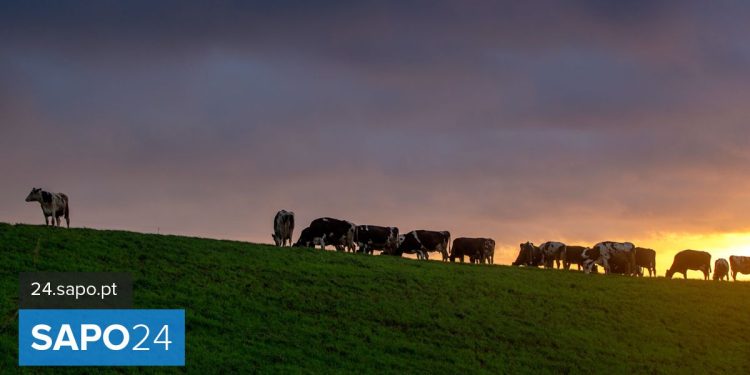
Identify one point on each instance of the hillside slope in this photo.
(256, 307)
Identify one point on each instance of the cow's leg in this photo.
(734, 275)
(46, 220)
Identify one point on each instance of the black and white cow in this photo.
(739, 264)
(602, 252)
(479, 250)
(572, 255)
(53, 205)
(528, 255)
(422, 242)
(551, 252)
(691, 260)
(328, 231)
(283, 227)
(721, 269)
(645, 258)
(373, 237)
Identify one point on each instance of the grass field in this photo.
(256, 308)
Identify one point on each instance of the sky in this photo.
(573, 121)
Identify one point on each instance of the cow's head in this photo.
(669, 273)
(35, 195)
(276, 239)
(590, 256)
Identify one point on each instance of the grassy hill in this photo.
(258, 308)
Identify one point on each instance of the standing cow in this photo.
(551, 252)
(421, 242)
(572, 255)
(721, 269)
(479, 250)
(528, 255)
(53, 205)
(602, 252)
(739, 264)
(283, 227)
(645, 258)
(691, 260)
(372, 237)
(328, 231)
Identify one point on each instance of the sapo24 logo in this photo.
(101, 337)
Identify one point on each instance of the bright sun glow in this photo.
(720, 245)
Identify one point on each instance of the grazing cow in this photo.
(529, 255)
(691, 260)
(721, 269)
(739, 264)
(602, 252)
(479, 250)
(328, 231)
(421, 242)
(551, 252)
(283, 227)
(645, 258)
(53, 205)
(572, 255)
(373, 237)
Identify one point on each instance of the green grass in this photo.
(256, 308)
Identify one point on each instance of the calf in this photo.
(372, 237)
(328, 231)
(603, 251)
(421, 242)
(645, 258)
(551, 252)
(739, 264)
(691, 260)
(283, 227)
(721, 269)
(53, 205)
(528, 255)
(479, 250)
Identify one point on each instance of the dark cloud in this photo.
(520, 120)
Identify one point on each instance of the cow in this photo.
(53, 205)
(739, 264)
(572, 255)
(603, 251)
(528, 255)
(373, 237)
(690, 260)
(283, 228)
(328, 231)
(645, 258)
(619, 263)
(551, 252)
(721, 269)
(479, 250)
(421, 242)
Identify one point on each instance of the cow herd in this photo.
(627, 259)
(614, 257)
(346, 236)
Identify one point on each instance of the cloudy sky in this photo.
(578, 121)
